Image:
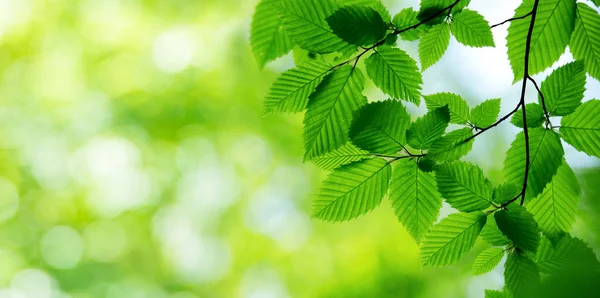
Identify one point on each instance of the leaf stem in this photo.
(512, 19)
(548, 122)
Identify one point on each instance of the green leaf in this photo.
(494, 294)
(464, 186)
(375, 4)
(519, 226)
(563, 89)
(554, 23)
(433, 44)
(487, 260)
(380, 127)
(308, 27)
(452, 146)
(471, 29)
(415, 198)
(556, 207)
(352, 190)
(585, 42)
(582, 128)
(506, 192)
(597, 2)
(521, 275)
(267, 37)
(567, 253)
(486, 113)
(396, 73)
(357, 25)
(535, 116)
(546, 155)
(424, 131)
(437, 5)
(290, 92)
(407, 18)
(492, 234)
(330, 109)
(459, 109)
(344, 155)
(451, 238)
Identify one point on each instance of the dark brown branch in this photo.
(512, 19)
(484, 129)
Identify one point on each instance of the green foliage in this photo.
(290, 92)
(554, 23)
(415, 198)
(404, 19)
(545, 155)
(330, 111)
(371, 145)
(585, 42)
(380, 127)
(451, 238)
(492, 234)
(352, 190)
(268, 39)
(433, 44)
(493, 294)
(344, 155)
(459, 109)
(521, 275)
(396, 73)
(519, 226)
(308, 27)
(471, 29)
(426, 130)
(487, 260)
(357, 25)
(535, 116)
(452, 146)
(582, 128)
(555, 208)
(464, 186)
(563, 89)
(486, 113)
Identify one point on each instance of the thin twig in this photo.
(512, 19)
(543, 100)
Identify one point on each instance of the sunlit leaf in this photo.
(471, 29)
(352, 190)
(464, 186)
(487, 260)
(424, 131)
(451, 238)
(407, 18)
(585, 42)
(358, 25)
(554, 23)
(555, 208)
(521, 275)
(290, 92)
(330, 109)
(267, 37)
(451, 146)
(545, 155)
(433, 44)
(519, 226)
(380, 127)
(563, 89)
(415, 198)
(486, 113)
(492, 235)
(581, 129)
(396, 73)
(459, 109)
(345, 154)
(535, 116)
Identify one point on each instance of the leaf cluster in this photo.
(375, 148)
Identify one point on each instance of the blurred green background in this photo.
(135, 161)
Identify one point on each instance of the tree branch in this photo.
(512, 19)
